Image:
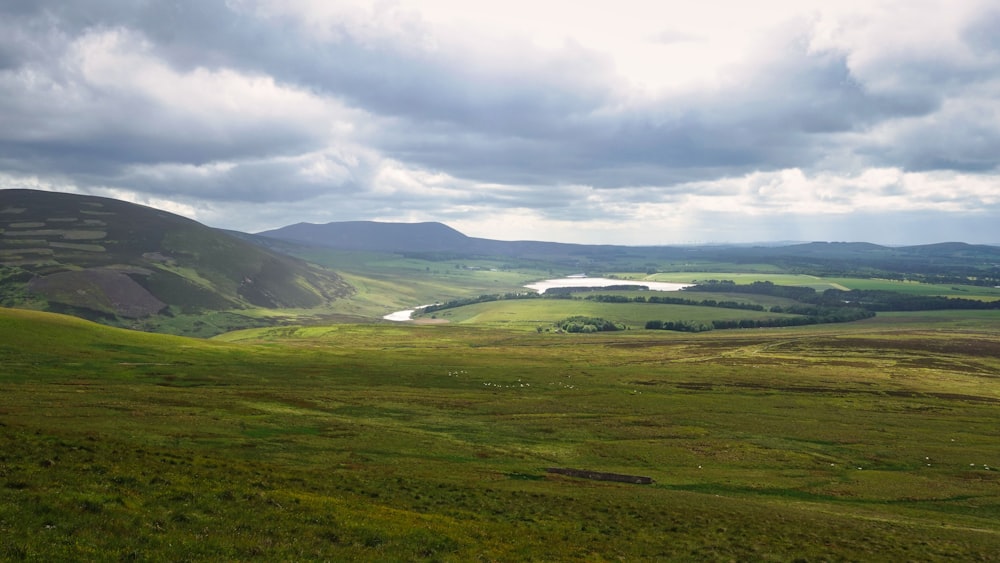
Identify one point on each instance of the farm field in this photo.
(529, 314)
(867, 441)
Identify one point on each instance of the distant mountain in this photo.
(418, 238)
(951, 262)
(103, 258)
(376, 236)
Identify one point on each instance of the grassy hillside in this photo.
(867, 442)
(116, 262)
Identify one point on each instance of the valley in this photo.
(856, 420)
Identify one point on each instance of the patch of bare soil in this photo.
(424, 321)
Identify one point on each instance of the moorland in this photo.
(809, 402)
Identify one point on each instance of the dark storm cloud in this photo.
(786, 114)
(526, 102)
(536, 123)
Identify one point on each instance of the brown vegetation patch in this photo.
(967, 345)
(426, 321)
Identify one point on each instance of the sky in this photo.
(628, 122)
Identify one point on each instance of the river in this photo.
(576, 281)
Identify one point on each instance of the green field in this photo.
(868, 441)
(532, 313)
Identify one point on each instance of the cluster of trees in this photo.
(681, 326)
(589, 324)
(675, 301)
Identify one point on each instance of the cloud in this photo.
(566, 116)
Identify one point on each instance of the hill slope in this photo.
(406, 443)
(107, 259)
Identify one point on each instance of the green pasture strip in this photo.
(916, 288)
(396, 442)
(952, 319)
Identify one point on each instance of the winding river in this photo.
(576, 281)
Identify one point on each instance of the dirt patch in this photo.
(429, 321)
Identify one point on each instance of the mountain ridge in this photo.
(106, 258)
(397, 236)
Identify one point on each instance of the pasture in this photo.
(529, 314)
(870, 441)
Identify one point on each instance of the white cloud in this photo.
(555, 120)
(119, 62)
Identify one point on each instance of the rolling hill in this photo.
(109, 260)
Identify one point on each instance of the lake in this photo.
(544, 285)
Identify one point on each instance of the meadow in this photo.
(868, 441)
(532, 314)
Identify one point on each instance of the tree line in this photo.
(839, 316)
(664, 300)
(589, 324)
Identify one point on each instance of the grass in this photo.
(529, 314)
(396, 442)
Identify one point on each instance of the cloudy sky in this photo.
(626, 122)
